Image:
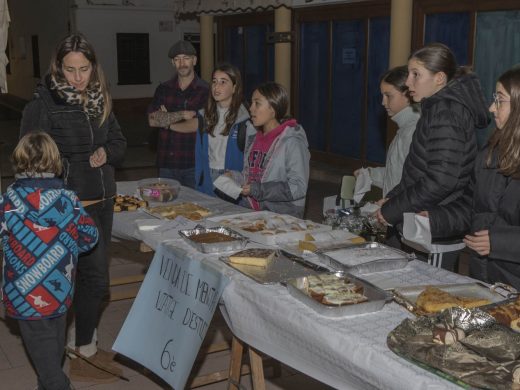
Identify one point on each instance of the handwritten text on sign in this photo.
(171, 314)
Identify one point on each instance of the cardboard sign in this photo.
(171, 315)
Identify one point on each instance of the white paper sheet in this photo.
(363, 184)
(228, 186)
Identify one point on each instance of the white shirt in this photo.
(389, 176)
(217, 145)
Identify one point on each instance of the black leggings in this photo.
(92, 279)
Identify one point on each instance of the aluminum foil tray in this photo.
(485, 357)
(366, 258)
(376, 297)
(284, 266)
(239, 241)
(407, 296)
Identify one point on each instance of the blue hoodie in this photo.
(43, 228)
(234, 156)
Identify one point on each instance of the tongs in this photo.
(302, 261)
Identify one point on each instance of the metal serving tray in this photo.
(238, 243)
(407, 296)
(364, 258)
(376, 297)
(284, 266)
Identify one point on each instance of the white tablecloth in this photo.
(345, 353)
(124, 226)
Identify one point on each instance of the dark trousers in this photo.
(45, 343)
(185, 176)
(92, 278)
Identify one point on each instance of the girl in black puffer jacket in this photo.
(439, 164)
(493, 214)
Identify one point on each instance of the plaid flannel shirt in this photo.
(177, 150)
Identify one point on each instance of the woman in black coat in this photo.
(493, 215)
(438, 167)
(73, 105)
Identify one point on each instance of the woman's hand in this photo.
(98, 158)
(479, 242)
(380, 218)
(246, 189)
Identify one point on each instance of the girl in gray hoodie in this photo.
(276, 158)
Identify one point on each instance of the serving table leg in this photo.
(237, 349)
(257, 370)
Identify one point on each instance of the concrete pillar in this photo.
(206, 55)
(282, 50)
(400, 32)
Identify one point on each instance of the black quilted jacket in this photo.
(77, 138)
(494, 206)
(442, 153)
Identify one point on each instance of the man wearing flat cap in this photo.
(173, 110)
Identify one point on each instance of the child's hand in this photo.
(98, 158)
(246, 189)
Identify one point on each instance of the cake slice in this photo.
(257, 257)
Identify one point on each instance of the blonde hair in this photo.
(37, 153)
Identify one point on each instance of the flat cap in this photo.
(182, 47)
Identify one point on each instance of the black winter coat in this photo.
(438, 167)
(495, 206)
(77, 138)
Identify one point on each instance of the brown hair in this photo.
(277, 97)
(37, 152)
(505, 142)
(396, 77)
(211, 112)
(437, 57)
(78, 43)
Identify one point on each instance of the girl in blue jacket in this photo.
(222, 129)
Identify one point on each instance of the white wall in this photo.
(46, 18)
(100, 25)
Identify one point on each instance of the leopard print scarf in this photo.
(91, 99)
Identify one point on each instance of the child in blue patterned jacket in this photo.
(43, 229)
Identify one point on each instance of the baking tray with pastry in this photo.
(337, 294)
(365, 258)
(320, 241)
(465, 346)
(268, 228)
(427, 300)
(128, 203)
(270, 265)
(189, 210)
(213, 240)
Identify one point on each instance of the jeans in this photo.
(92, 277)
(45, 343)
(185, 176)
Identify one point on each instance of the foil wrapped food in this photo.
(466, 346)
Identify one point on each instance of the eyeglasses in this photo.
(497, 101)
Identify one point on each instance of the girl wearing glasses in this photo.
(442, 154)
(492, 217)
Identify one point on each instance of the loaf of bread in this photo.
(257, 257)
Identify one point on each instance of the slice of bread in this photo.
(257, 257)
